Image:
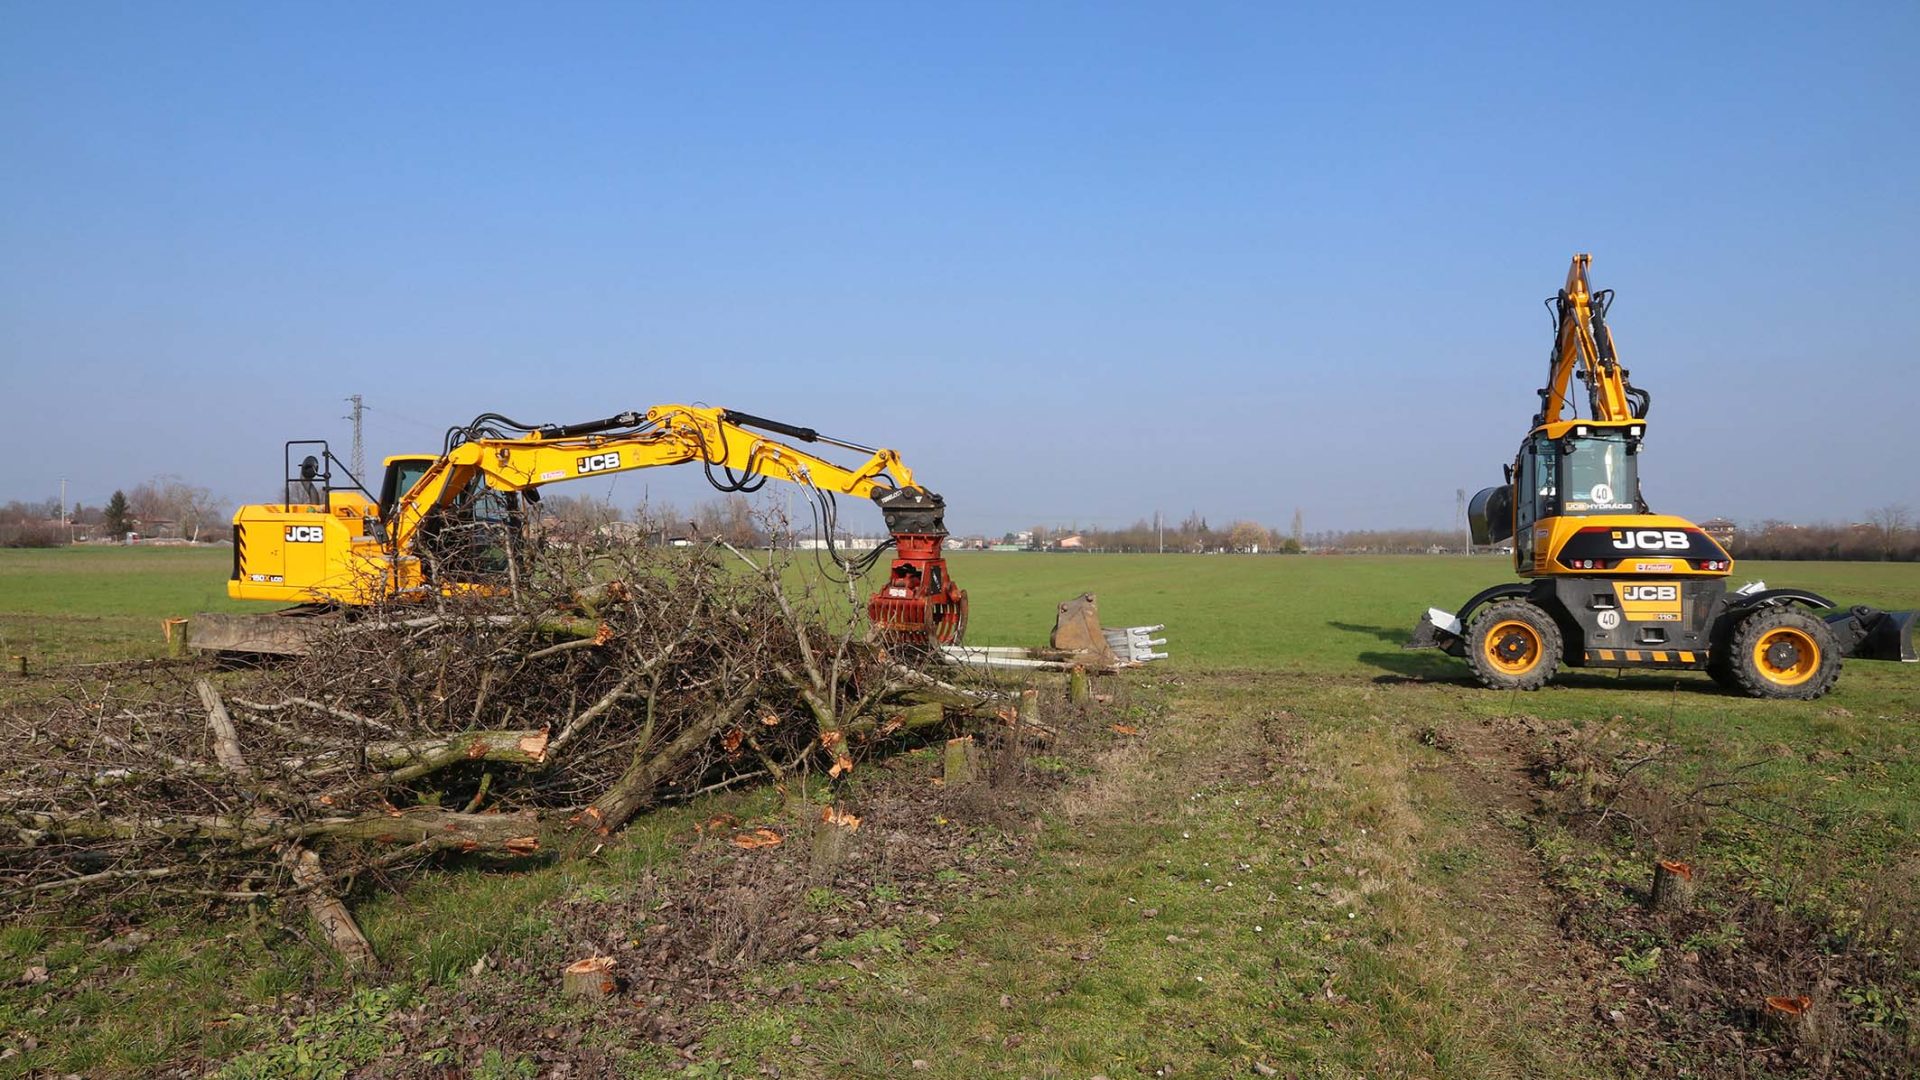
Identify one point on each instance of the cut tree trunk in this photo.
(328, 912)
(514, 834)
(892, 721)
(1030, 708)
(638, 787)
(591, 978)
(175, 630)
(226, 740)
(1794, 1019)
(412, 760)
(1078, 691)
(1672, 886)
(963, 761)
(832, 836)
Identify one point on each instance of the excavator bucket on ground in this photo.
(1871, 634)
(1076, 629)
(1078, 621)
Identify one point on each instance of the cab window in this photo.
(400, 478)
(1599, 475)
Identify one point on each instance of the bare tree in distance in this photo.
(188, 508)
(1890, 522)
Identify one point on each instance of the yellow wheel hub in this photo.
(1786, 656)
(1513, 647)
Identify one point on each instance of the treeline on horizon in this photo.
(1889, 534)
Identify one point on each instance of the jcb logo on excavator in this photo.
(305, 534)
(1646, 602)
(593, 463)
(1649, 539)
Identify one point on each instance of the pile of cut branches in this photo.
(604, 683)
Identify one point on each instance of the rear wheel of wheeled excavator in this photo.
(1513, 645)
(1720, 666)
(1781, 652)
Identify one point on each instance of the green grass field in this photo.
(1339, 842)
(81, 604)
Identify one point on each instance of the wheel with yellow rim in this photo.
(1783, 652)
(1513, 645)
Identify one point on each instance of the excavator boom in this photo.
(1583, 346)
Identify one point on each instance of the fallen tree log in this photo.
(917, 717)
(516, 834)
(328, 911)
(638, 787)
(226, 740)
(525, 747)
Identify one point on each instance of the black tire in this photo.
(1721, 668)
(1783, 652)
(1513, 645)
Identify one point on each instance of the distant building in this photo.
(1721, 530)
(1074, 541)
(621, 532)
(843, 543)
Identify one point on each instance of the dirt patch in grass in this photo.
(1689, 988)
(1571, 985)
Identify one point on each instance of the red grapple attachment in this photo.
(919, 605)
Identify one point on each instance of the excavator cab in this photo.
(1578, 469)
(402, 473)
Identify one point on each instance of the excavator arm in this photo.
(1583, 346)
(664, 435)
(919, 601)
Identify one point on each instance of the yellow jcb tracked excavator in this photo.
(456, 521)
(1614, 585)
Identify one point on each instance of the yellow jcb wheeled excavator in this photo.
(456, 521)
(1615, 585)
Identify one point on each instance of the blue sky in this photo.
(1076, 262)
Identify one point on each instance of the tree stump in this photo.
(1030, 707)
(832, 836)
(175, 630)
(18, 664)
(1672, 886)
(1078, 691)
(1793, 1019)
(591, 978)
(963, 761)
